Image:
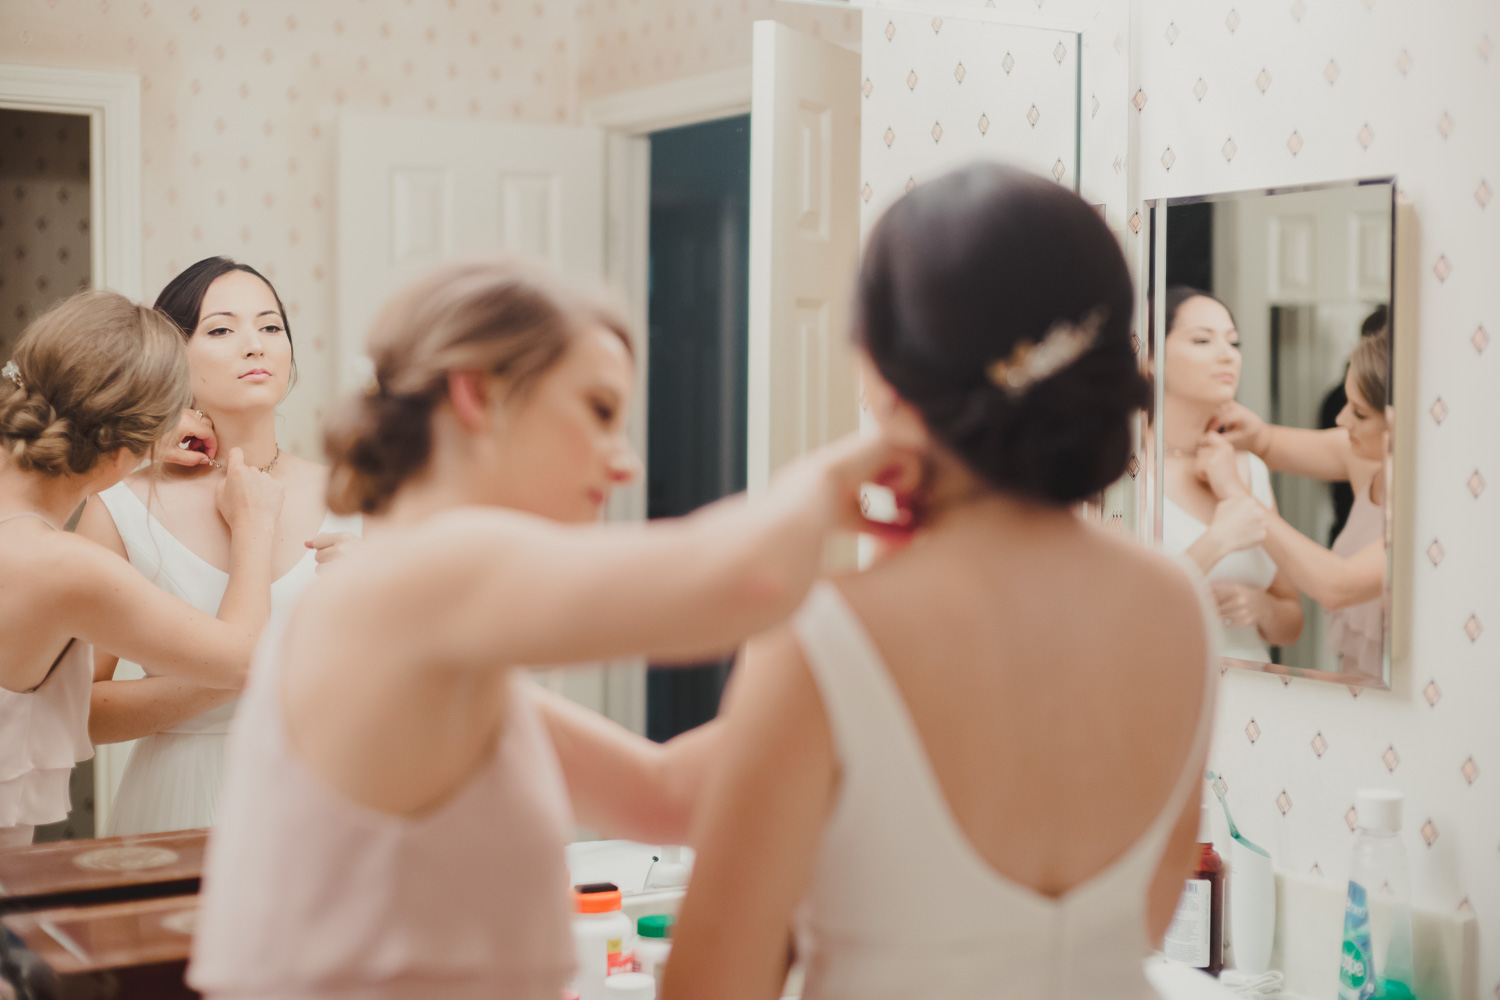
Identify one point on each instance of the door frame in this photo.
(628, 119)
(112, 103)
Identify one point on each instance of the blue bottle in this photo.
(1376, 962)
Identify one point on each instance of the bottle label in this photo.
(1356, 979)
(1187, 937)
(616, 959)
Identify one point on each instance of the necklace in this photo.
(1180, 452)
(258, 468)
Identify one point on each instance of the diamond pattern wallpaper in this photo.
(940, 92)
(44, 215)
(1235, 96)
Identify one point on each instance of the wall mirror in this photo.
(1272, 433)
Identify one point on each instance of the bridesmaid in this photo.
(163, 519)
(93, 387)
(398, 797)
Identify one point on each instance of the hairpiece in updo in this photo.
(12, 372)
(1031, 362)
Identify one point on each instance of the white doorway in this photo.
(107, 107)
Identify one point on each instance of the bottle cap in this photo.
(1379, 810)
(657, 925)
(1205, 824)
(589, 900)
(630, 986)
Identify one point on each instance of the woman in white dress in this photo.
(975, 769)
(164, 521)
(1347, 579)
(1258, 607)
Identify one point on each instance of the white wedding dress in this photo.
(172, 779)
(1253, 567)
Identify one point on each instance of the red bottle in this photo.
(1196, 936)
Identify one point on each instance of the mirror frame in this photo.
(1396, 593)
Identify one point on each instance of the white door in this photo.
(414, 192)
(804, 246)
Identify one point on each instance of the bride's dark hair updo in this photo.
(964, 272)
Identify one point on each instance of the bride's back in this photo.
(1055, 676)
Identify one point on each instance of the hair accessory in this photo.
(364, 372)
(13, 373)
(1029, 363)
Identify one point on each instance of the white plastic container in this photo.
(603, 939)
(630, 986)
(1252, 908)
(653, 943)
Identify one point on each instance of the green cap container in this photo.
(657, 925)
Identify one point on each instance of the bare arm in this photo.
(130, 709)
(1324, 454)
(1331, 580)
(488, 588)
(624, 784)
(106, 602)
(757, 831)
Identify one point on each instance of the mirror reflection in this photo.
(1275, 356)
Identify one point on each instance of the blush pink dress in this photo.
(307, 894)
(1356, 634)
(43, 733)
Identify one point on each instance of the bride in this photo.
(164, 521)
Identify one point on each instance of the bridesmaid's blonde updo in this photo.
(92, 375)
(504, 317)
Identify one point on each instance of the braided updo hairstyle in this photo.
(502, 317)
(97, 373)
(961, 271)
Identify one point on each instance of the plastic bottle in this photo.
(1196, 935)
(630, 986)
(603, 938)
(1377, 953)
(653, 944)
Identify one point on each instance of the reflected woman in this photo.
(1347, 580)
(164, 521)
(1258, 606)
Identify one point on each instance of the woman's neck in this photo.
(253, 432)
(952, 496)
(54, 497)
(1184, 422)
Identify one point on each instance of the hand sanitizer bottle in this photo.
(1377, 952)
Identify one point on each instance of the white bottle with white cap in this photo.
(1376, 958)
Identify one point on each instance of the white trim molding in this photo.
(667, 105)
(112, 103)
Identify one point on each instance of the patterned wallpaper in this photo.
(940, 92)
(238, 112)
(626, 44)
(1237, 95)
(44, 215)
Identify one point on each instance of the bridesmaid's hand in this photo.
(1243, 428)
(1217, 466)
(248, 498)
(192, 444)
